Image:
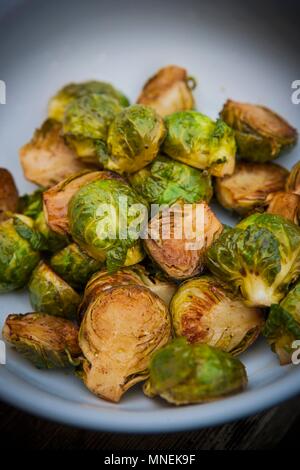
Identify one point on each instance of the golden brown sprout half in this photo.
(47, 341)
(179, 236)
(120, 331)
(205, 311)
(9, 196)
(250, 185)
(46, 159)
(136, 275)
(57, 198)
(260, 133)
(285, 204)
(168, 91)
(293, 181)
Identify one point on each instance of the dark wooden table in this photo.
(277, 428)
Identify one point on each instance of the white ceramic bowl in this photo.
(243, 50)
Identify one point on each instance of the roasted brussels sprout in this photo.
(183, 374)
(260, 258)
(18, 252)
(52, 241)
(86, 122)
(46, 159)
(134, 139)
(168, 91)
(293, 181)
(165, 181)
(248, 187)
(164, 288)
(48, 342)
(196, 140)
(106, 218)
(31, 205)
(59, 103)
(9, 197)
(57, 198)
(178, 238)
(204, 311)
(74, 265)
(120, 331)
(283, 325)
(260, 133)
(50, 294)
(136, 275)
(285, 204)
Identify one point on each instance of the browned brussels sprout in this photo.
(285, 204)
(165, 181)
(66, 95)
(46, 159)
(134, 139)
(259, 258)
(182, 373)
(260, 133)
(121, 329)
(179, 236)
(282, 328)
(57, 198)
(50, 294)
(74, 265)
(248, 187)
(205, 311)
(198, 141)
(106, 219)
(168, 91)
(136, 275)
(48, 342)
(86, 123)
(19, 252)
(9, 197)
(293, 181)
(52, 241)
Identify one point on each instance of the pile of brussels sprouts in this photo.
(121, 310)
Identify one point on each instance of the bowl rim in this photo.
(162, 420)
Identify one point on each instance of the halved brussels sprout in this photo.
(182, 373)
(106, 218)
(46, 159)
(120, 331)
(168, 91)
(283, 325)
(18, 253)
(285, 204)
(57, 198)
(260, 257)
(52, 241)
(50, 294)
(260, 133)
(165, 181)
(59, 103)
(293, 181)
(179, 236)
(248, 187)
(48, 342)
(9, 197)
(205, 311)
(74, 265)
(134, 139)
(196, 140)
(136, 275)
(86, 122)
(31, 205)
